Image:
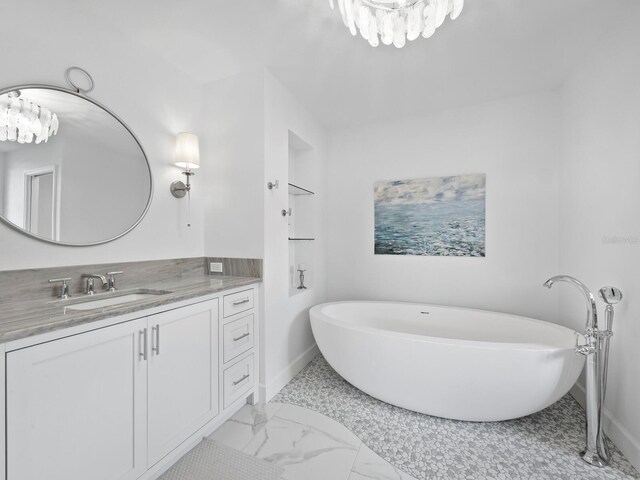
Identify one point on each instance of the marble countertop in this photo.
(26, 319)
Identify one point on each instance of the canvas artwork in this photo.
(441, 216)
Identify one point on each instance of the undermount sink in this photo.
(115, 299)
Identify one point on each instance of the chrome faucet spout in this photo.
(90, 277)
(592, 310)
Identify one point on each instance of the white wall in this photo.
(233, 141)
(600, 202)
(516, 143)
(97, 188)
(152, 97)
(288, 339)
(246, 134)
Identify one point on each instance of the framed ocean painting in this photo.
(440, 216)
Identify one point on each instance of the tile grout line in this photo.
(267, 420)
(354, 459)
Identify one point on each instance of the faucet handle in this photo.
(111, 286)
(586, 348)
(64, 288)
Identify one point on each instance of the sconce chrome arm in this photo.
(178, 188)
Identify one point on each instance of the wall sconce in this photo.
(187, 158)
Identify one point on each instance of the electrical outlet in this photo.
(215, 267)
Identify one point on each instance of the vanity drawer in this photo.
(238, 380)
(238, 302)
(237, 337)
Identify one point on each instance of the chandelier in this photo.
(23, 121)
(396, 21)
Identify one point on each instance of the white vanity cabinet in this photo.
(183, 375)
(76, 407)
(124, 400)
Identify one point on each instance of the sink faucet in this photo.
(597, 451)
(90, 277)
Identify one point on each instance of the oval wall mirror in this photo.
(71, 172)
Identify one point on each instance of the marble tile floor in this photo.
(305, 444)
(542, 446)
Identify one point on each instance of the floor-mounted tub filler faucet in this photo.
(596, 349)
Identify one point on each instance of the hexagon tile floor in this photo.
(542, 446)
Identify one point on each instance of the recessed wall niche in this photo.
(302, 212)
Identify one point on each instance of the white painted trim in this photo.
(290, 371)
(615, 430)
(55, 200)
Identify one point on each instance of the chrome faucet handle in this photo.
(111, 280)
(64, 287)
(586, 348)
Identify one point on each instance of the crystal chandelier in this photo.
(23, 121)
(395, 21)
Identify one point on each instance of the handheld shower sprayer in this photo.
(611, 296)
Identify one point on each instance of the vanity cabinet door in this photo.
(76, 407)
(183, 375)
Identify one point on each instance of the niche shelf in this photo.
(296, 190)
(302, 219)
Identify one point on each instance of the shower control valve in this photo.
(586, 348)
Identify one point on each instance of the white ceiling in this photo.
(495, 49)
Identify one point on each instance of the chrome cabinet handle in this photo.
(143, 347)
(237, 339)
(156, 348)
(240, 302)
(241, 380)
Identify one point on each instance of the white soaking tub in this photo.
(455, 363)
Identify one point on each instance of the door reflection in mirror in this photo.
(40, 203)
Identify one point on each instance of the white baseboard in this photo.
(623, 438)
(290, 371)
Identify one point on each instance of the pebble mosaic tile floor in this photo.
(542, 446)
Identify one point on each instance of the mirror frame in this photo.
(79, 94)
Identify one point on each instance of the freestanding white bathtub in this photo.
(448, 362)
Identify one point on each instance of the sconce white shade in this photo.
(187, 151)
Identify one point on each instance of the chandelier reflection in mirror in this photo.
(396, 21)
(23, 121)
